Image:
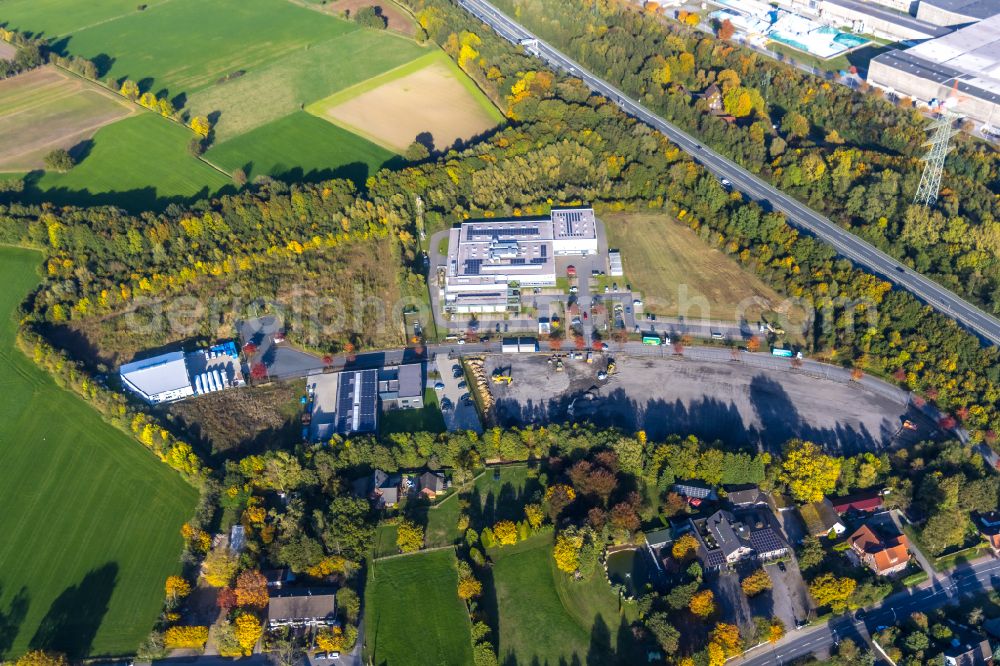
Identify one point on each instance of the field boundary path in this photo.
(798, 214)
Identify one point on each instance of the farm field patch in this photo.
(276, 89)
(413, 614)
(138, 163)
(91, 520)
(45, 109)
(301, 147)
(428, 97)
(184, 45)
(396, 18)
(7, 51)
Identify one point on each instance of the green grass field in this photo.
(185, 45)
(273, 90)
(413, 614)
(669, 263)
(544, 617)
(53, 18)
(139, 163)
(90, 519)
(301, 147)
(428, 419)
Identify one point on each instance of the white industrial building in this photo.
(159, 379)
(490, 260)
(967, 60)
(956, 12)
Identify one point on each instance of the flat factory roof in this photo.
(979, 9)
(897, 18)
(158, 374)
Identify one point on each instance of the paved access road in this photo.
(798, 214)
(979, 577)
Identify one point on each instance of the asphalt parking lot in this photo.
(461, 415)
(735, 402)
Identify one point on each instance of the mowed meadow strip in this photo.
(91, 519)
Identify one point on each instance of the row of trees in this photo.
(850, 155)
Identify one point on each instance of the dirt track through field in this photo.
(7, 51)
(46, 109)
(430, 101)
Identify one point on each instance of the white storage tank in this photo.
(219, 381)
(210, 380)
(198, 387)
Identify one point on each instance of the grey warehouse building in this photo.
(968, 57)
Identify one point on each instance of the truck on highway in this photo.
(783, 353)
(651, 340)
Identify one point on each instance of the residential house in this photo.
(695, 493)
(745, 495)
(713, 97)
(302, 608)
(972, 652)
(725, 539)
(867, 501)
(881, 552)
(275, 577)
(989, 528)
(820, 519)
(237, 539)
(432, 484)
(384, 489)
(657, 539)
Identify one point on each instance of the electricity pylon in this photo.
(942, 129)
(939, 144)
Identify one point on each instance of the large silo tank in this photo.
(219, 380)
(210, 382)
(198, 387)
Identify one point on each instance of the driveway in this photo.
(788, 598)
(460, 416)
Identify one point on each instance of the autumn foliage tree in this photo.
(468, 588)
(809, 473)
(534, 515)
(248, 630)
(189, 637)
(567, 550)
(702, 603)
(505, 533)
(42, 658)
(176, 588)
(219, 567)
(409, 537)
(557, 498)
(726, 29)
(755, 583)
(684, 548)
(830, 590)
(251, 589)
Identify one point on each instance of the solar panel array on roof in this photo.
(368, 401)
(500, 232)
(472, 266)
(765, 541)
(345, 403)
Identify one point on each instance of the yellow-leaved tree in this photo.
(534, 514)
(409, 537)
(185, 637)
(42, 658)
(702, 603)
(201, 126)
(468, 588)
(176, 588)
(247, 630)
(219, 567)
(567, 551)
(505, 532)
(684, 548)
(809, 473)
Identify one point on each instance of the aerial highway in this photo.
(978, 577)
(845, 243)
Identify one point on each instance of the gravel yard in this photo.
(731, 401)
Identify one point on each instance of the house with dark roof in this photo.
(883, 553)
(695, 493)
(869, 500)
(302, 608)
(745, 495)
(974, 651)
(713, 97)
(821, 519)
(725, 539)
(659, 538)
(989, 528)
(380, 487)
(432, 484)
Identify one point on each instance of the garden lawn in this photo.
(138, 163)
(494, 500)
(427, 419)
(90, 518)
(301, 147)
(544, 617)
(185, 45)
(413, 615)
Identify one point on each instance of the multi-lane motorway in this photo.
(799, 215)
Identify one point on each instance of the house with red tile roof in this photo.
(882, 553)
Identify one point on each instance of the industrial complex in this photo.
(348, 402)
(962, 67)
(489, 261)
(175, 375)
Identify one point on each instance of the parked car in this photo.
(320, 656)
(782, 567)
(334, 655)
(462, 384)
(461, 341)
(439, 386)
(446, 403)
